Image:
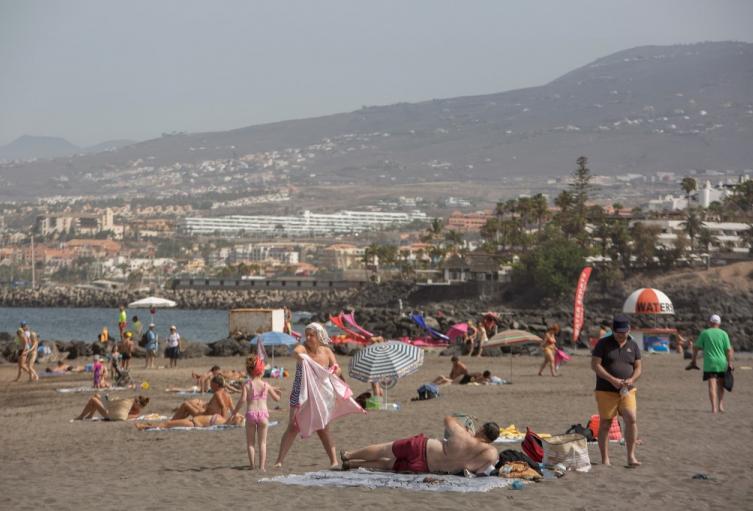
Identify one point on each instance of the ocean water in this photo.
(84, 324)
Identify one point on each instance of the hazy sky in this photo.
(95, 70)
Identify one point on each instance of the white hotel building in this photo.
(304, 225)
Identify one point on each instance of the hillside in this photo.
(669, 108)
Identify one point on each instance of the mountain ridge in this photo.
(643, 109)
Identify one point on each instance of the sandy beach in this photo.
(49, 462)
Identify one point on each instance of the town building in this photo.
(306, 224)
(468, 222)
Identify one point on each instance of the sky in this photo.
(91, 71)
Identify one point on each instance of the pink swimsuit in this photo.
(256, 416)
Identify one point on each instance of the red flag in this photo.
(578, 308)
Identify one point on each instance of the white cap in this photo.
(716, 319)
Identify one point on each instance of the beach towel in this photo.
(414, 482)
(510, 435)
(560, 357)
(216, 427)
(71, 390)
(323, 398)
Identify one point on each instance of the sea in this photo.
(84, 324)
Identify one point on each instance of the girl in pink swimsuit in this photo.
(254, 393)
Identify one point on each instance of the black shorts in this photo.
(172, 353)
(709, 375)
(465, 379)
(125, 356)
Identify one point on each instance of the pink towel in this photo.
(323, 398)
(560, 357)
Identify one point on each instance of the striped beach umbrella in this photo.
(508, 337)
(385, 361)
(647, 300)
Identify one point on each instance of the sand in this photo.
(48, 462)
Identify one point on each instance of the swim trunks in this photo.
(410, 454)
(609, 403)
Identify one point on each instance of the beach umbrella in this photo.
(385, 361)
(647, 300)
(274, 339)
(457, 330)
(510, 338)
(152, 303)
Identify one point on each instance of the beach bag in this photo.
(427, 391)
(729, 380)
(571, 450)
(117, 409)
(532, 446)
(580, 430)
(615, 432)
(144, 340)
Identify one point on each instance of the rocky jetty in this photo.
(696, 295)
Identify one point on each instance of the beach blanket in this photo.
(149, 417)
(217, 427)
(71, 390)
(323, 398)
(415, 482)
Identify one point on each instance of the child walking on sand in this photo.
(254, 393)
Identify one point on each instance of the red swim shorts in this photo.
(410, 454)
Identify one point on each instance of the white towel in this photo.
(370, 479)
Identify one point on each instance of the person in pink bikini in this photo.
(254, 393)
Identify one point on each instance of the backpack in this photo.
(533, 446)
(144, 340)
(427, 391)
(586, 432)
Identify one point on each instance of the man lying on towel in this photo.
(457, 452)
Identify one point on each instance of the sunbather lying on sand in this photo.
(219, 404)
(97, 405)
(202, 380)
(457, 452)
(61, 368)
(199, 421)
(457, 371)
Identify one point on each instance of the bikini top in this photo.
(253, 395)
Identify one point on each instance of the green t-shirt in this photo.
(714, 342)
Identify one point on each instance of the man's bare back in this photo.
(458, 369)
(460, 451)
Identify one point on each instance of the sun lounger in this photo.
(414, 482)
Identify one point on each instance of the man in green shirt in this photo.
(122, 321)
(717, 357)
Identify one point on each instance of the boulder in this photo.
(225, 348)
(194, 350)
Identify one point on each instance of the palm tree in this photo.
(453, 238)
(705, 238)
(693, 225)
(539, 209)
(688, 184)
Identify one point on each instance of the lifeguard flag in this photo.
(578, 308)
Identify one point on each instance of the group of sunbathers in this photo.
(460, 375)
